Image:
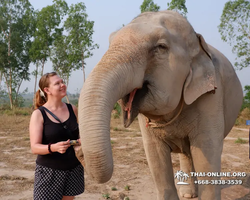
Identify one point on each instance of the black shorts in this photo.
(52, 184)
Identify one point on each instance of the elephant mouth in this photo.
(131, 103)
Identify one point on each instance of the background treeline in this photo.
(58, 32)
(62, 33)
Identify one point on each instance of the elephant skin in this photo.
(185, 93)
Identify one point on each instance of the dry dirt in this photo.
(131, 176)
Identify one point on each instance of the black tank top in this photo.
(53, 133)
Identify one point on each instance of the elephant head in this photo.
(150, 64)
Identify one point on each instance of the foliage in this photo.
(127, 187)
(240, 141)
(35, 36)
(178, 5)
(234, 29)
(149, 5)
(79, 39)
(16, 111)
(246, 99)
(247, 95)
(3, 98)
(15, 34)
(47, 28)
(113, 188)
(106, 196)
(243, 116)
(117, 108)
(60, 58)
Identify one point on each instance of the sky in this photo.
(109, 16)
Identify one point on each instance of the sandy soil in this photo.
(131, 176)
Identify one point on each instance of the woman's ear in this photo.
(46, 90)
(202, 77)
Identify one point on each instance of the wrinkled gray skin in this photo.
(173, 70)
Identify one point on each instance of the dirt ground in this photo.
(131, 176)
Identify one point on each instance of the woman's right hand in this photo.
(60, 147)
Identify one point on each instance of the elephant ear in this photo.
(202, 77)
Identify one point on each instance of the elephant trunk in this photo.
(114, 77)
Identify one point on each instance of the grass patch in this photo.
(12, 178)
(113, 188)
(117, 129)
(127, 187)
(240, 141)
(106, 196)
(116, 116)
(17, 111)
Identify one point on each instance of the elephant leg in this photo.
(186, 165)
(159, 160)
(206, 152)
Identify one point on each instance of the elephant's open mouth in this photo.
(131, 102)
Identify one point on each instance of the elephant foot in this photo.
(187, 191)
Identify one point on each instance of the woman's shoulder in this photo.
(36, 115)
(74, 108)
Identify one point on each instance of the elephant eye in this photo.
(161, 48)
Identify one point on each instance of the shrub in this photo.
(127, 187)
(117, 108)
(243, 116)
(113, 188)
(240, 141)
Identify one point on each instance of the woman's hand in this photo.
(60, 147)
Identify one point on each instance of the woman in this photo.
(58, 175)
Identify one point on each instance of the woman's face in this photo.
(57, 87)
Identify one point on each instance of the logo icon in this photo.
(181, 176)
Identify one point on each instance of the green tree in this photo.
(79, 39)
(15, 34)
(149, 5)
(246, 99)
(178, 5)
(234, 29)
(47, 27)
(60, 58)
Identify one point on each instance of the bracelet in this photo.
(49, 148)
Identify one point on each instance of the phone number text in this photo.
(218, 182)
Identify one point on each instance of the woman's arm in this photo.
(36, 134)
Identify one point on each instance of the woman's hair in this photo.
(41, 96)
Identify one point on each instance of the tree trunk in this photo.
(83, 67)
(9, 91)
(10, 78)
(67, 83)
(34, 98)
(1, 76)
(43, 66)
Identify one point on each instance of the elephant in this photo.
(184, 92)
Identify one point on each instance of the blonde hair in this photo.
(41, 96)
